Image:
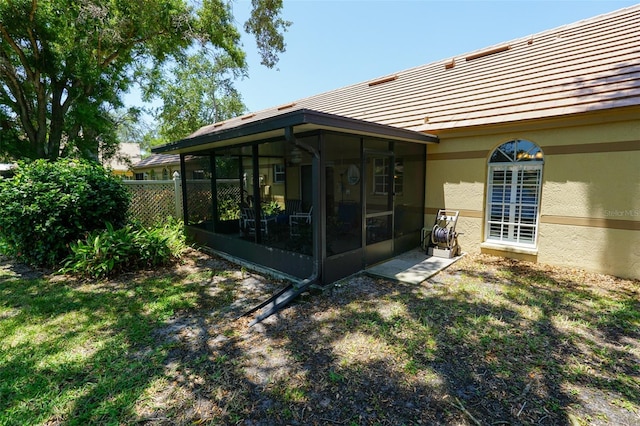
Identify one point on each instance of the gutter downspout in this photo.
(316, 197)
(289, 293)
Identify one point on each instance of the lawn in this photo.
(488, 341)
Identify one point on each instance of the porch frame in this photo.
(289, 128)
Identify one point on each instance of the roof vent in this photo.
(488, 52)
(384, 80)
(219, 123)
(289, 105)
(450, 64)
(248, 116)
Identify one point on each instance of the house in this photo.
(157, 167)
(120, 164)
(535, 141)
(164, 166)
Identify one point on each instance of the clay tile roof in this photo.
(589, 65)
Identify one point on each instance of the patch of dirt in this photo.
(10, 269)
(487, 341)
(344, 357)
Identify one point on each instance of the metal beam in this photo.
(311, 119)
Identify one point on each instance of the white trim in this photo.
(282, 174)
(492, 245)
(512, 218)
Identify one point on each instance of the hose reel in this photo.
(444, 238)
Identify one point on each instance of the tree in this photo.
(65, 64)
(195, 92)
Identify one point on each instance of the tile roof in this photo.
(589, 65)
(158, 160)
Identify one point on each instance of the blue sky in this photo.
(334, 43)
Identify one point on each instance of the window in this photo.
(278, 173)
(381, 176)
(513, 196)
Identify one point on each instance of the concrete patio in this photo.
(411, 267)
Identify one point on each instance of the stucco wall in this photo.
(590, 201)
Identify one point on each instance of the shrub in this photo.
(271, 208)
(112, 251)
(47, 205)
(173, 230)
(228, 206)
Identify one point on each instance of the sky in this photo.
(336, 43)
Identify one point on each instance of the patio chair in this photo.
(290, 207)
(244, 217)
(248, 216)
(297, 219)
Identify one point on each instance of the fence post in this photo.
(177, 191)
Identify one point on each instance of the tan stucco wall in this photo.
(590, 205)
(609, 251)
(293, 183)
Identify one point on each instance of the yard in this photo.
(489, 341)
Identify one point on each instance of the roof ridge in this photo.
(516, 40)
(421, 97)
(400, 73)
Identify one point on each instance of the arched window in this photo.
(513, 195)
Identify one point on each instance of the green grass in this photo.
(81, 354)
(496, 341)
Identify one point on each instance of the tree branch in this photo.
(134, 41)
(34, 43)
(7, 100)
(11, 42)
(22, 107)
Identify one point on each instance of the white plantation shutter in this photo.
(513, 196)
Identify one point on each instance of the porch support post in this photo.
(256, 193)
(318, 219)
(391, 193)
(214, 191)
(319, 224)
(183, 173)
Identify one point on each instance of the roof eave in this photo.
(254, 131)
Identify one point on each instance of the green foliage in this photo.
(228, 207)
(65, 64)
(272, 208)
(196, 91)
(112, 251)
(267, 27)
(47, 205)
